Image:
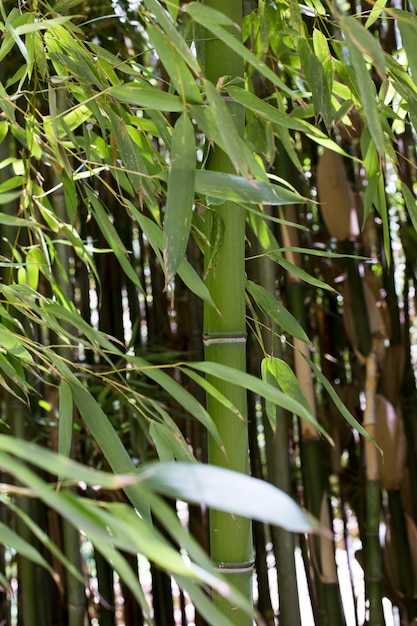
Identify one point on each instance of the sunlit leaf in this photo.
(274, 309)
(180, 197)
(240, 494)
(237, 377)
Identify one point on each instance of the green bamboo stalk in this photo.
(373, 555)
(402, 552)
(28, 606)
(328, 606)
(278, 462)
(75, 592)
(225, 343)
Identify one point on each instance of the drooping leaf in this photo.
(177, 70)
(239, 494)
(180, 196)
(213, 20)
(258, 386)
(346, 414)
(286, 379)
(274, 309)
(238, 189)
(147, 97)
(366, 87)
(65, 420)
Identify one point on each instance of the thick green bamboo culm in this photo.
(225, 341)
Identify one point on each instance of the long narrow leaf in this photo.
(180, 197)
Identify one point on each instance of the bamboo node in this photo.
(209, 339)
(235, 568)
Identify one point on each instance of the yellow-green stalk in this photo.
(225, 340)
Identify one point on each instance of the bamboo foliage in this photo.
(138, 143)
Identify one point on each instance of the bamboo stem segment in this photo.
(225, 341)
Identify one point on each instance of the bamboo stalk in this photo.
(315, 479)
(373, 569)
(225, 343)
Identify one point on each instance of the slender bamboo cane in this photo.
(75, 592)
(373, 569)
(313, 455)
(225, 343)
(278, 462)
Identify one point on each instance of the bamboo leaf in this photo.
(286, 379)
(23, 29)
(180, 196)
(268, 112)
(112, 237)
(186, 272)
(169, 443)
(213, 20)
(147, 97)
(365, 42)
(43, 537)
(65, 422)
(410, 203)
(227, 129)
(366, 87)
(173, 35)
(238, 189)
(346, 414)
(239, 494)
(274, 309)
(375, 13)
(251, 383)
(298, 272)
(178, 72)
(13, 540)
(108, 441)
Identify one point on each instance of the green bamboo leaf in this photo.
(13, 540)
(178, 72)
(227, 129)
(112, 237)
(346, 414)
(298, 272)
(251, 383)
(267, 111)
(23, 29)
(285, 377)
(174, 36)
(180, 195)
(407, 24)
(239, 494)
(238, 189)
(169, 442)
(12, 344)
(133, 163)
(186, 272)
(366, 88)
(178, 393)
(43, 537)
(213, 391)
(147, 97)
(410, 203)
(320, 90)
(375, 13)
(60, 465)
(274, 309)
(108, 441)
(214, 21)
(365, 42)
(201, 600)
(65, 421)
(6, 198)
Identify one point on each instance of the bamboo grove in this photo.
(208, 313)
